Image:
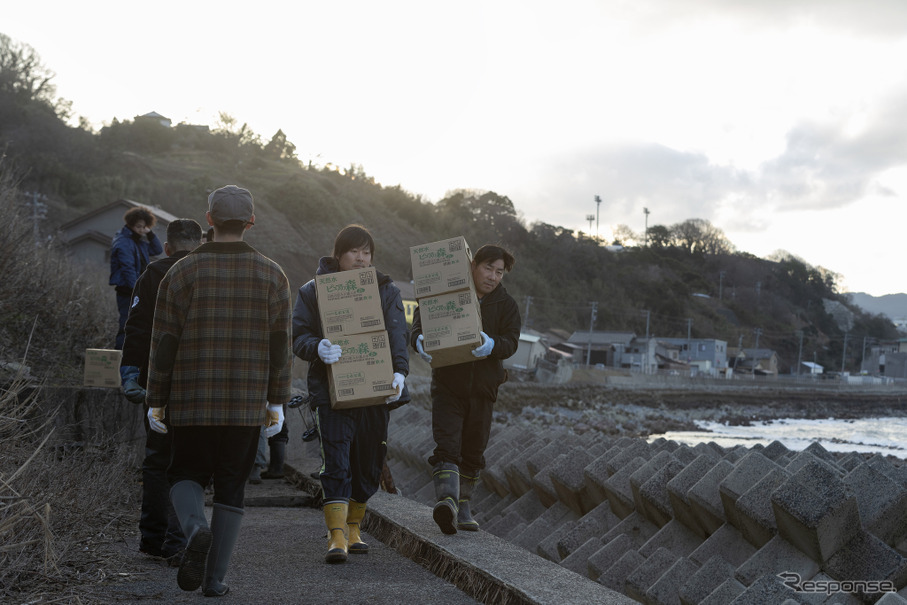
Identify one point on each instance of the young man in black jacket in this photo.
(160, 529)
(463, 395)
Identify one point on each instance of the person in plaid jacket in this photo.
(220, 352)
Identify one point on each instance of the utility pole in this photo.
(720, 283)
(863, 357)
(689, 340)
(646, 210)
(646, 365)
(739, 351)
(800, 352)
(598, 203)
(526, 318)
(591, 325)
(758, 333)
(844, 355)
(38, 213)
(590, 218)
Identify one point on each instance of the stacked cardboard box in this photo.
(448, 305)
(349, 306)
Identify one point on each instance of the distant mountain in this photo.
(892, 305)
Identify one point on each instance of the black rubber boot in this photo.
(225, 523)
(188, 498)
(447, 491)
(275, 464)
(464, 514)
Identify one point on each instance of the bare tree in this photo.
(23, 75)
(624, 236)
(698, 235)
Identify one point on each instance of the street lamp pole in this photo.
(598, 203)
(646, 210)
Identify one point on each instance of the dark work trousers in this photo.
(461, 427)
(160, 529)
(222, 454)
(353, 447)
(123, 302)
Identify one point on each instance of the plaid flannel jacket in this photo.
(220, 345)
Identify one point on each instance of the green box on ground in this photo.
(102, 368)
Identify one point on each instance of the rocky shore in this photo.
(642, 410)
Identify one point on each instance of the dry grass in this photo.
(49, 313)
(60, 513)
(61, 510)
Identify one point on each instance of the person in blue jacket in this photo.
(131, 250)
(354, 440)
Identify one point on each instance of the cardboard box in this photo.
(451, 326)
(364, 374)
(102, 368)
(349, 302)
(440, 267)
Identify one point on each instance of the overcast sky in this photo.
(780, 121)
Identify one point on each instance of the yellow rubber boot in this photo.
(335, 518)
(353, 519)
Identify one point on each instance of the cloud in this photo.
(869, 17)
(675, 185)
(828, 165)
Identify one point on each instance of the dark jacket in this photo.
(481, 378)
(141, 314)
(307, 331)
(129, 255)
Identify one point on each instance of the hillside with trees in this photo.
(673, 281)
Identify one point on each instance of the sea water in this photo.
(887, 436)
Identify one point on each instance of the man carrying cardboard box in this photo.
(462, 395)
(353, 440)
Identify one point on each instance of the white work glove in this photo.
(274, 422)
(421, 351)
(399, 379)
(484, 350)
(328, 352)
(156, 420)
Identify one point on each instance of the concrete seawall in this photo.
(667, 523)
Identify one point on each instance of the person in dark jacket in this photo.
(160, 529)
(462, 395)
(132, 248)
(353, 441)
